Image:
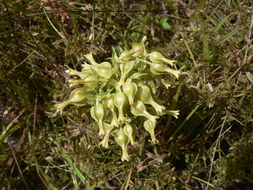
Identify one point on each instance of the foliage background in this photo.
(208, 147)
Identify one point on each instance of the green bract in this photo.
(122, 91)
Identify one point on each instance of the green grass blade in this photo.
(220, 24)
(226, 37)
(5, 133)
(75, 170)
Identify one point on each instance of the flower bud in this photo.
(104, 70)
(130, 89)
(129, 132)
(139, 49)
(157, 57)
(140, 110)
(77, 95)
(89, 80)
(120, 100)
(122, 140)
(144, 94)
(108, 128)
(89, 56)
(72, 72)
(157, 68)
(150, 127)
(125, 55)
(97, 113)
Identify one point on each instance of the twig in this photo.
(128, 179)
(249, 36)
(18, 166)
(214, 151)
(104, 11)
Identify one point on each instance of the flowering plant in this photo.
(121, 91)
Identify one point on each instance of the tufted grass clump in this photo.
(121, 91)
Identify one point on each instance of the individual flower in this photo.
(130, 89)
(139, 49)
(140, 110)
(97, 113)
(157, 68)
(104, 70)
(90, 81)
(129, 131)
(157, 57)
(109, 103)
(125, 68)
(77, 97)
(144, 94)
(150, 127)
(120, 101)
(122, 140)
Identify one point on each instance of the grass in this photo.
(206, 148)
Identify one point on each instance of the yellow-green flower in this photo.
(140, 110)
(120, 100)
(157, 68)
(104, 70)
(77, 97)
(150, 127)
(97, 113)
(129, 131)
(122, 140)
(130, 89)
(157, 57)
(125, 68)
(144, 94)
(109, 103)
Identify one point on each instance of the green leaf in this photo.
(164, 23)
(208, 51)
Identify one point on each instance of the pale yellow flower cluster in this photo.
(120, 91)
